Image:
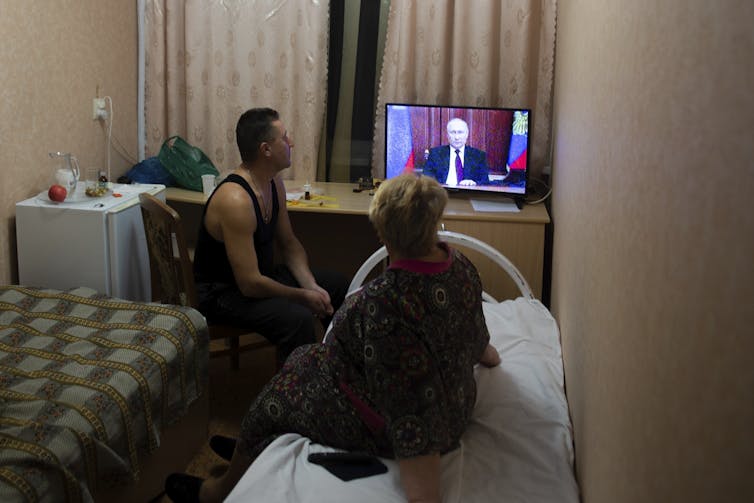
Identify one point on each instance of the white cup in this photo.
(208, 184)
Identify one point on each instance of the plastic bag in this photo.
(150, 170)
(185, 163)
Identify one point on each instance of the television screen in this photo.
(464, 148)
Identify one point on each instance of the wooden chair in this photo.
(172, 275)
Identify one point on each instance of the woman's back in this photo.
(407, 344)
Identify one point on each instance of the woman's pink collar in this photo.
(424, 267)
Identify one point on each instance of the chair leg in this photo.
(234, 355)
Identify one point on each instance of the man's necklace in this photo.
(265, 207)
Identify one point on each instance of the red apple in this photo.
(57, 193)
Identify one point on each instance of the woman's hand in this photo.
(420, 477)
(490, 357)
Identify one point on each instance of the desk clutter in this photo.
(314, 201)
(308, 196)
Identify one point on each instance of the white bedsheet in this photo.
(517, 448)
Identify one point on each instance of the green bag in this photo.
(185, 163)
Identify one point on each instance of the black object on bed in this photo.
(348, 465)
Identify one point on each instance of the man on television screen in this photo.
(457, 163)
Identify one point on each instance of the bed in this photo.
(99, 397)
(517, 448)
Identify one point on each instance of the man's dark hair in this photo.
(254, 128)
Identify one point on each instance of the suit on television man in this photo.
(456, 163)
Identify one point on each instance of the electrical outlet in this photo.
(99, 110)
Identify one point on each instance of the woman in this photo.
(395, 375)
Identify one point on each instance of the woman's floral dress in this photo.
(395, 375)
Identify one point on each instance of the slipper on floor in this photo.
(183, 488)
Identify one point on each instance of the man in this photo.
(457, 164)
(245, 222)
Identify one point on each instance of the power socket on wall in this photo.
(99, 110)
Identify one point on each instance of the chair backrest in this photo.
(169, 261)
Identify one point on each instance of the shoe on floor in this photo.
(183, 488)
(223, 446)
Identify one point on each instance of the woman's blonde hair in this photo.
(405, 213)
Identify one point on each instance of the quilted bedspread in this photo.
(87, 383)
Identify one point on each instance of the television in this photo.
(494, 159)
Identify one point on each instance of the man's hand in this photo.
(318, 301)
(323, 293)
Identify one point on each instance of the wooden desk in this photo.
(339, 236)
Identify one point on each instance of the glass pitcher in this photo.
(67, 171)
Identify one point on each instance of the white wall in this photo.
(653, 263)
(54, 58)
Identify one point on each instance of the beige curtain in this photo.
(209, 61)
(471, 52)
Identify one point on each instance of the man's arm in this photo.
(482, 175)
(420, 478)
(434, 161)
(293, 253)
(476, 168)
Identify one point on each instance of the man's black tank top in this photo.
(211, 263)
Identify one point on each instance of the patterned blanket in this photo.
(87, 383)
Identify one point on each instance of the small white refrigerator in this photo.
(97, 242)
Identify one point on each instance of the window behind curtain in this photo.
(355, 58)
